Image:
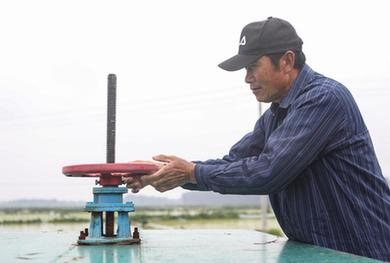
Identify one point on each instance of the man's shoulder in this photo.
(310, 86)
(326, 92)
(323, 83)
(319, 85)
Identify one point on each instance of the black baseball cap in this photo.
(273, 35)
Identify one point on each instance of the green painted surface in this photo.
(167, 246)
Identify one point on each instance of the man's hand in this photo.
(173, 172)
(135, 183)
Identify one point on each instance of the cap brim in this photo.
(238, 62)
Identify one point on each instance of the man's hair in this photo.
(299, 62)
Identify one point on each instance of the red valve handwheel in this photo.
(110, 173)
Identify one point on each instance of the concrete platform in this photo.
(167, 246)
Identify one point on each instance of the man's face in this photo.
(267, 82)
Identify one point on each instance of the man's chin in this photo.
(259, 99)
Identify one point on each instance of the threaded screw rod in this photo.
(111, 118)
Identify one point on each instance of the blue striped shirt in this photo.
(313, 155)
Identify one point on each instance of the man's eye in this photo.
(251, 67)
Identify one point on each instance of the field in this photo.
(146, 218)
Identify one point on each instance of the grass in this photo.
(68, 220)
(274, 231)
(20, 221)
(172, 217)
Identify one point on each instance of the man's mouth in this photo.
(255, 89)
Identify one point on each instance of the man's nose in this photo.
(249, 77)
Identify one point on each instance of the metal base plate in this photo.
(108, 241)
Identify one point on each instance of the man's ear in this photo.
(287, 61)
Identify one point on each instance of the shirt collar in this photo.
(295, 89)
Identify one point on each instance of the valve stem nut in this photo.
(136, 233)
(82, 235)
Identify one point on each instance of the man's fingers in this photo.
(127, 180)
(149, 179)
(165, 188)
(143, 162)
(133, 183)
(163, 158)
(134, 186)
(164, 184)
(160, 179)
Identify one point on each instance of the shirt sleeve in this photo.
(251, 144)
(312, 121)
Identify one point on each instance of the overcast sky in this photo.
(172, 97)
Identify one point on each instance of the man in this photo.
(310, 151)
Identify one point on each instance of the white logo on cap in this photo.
(243, 41)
